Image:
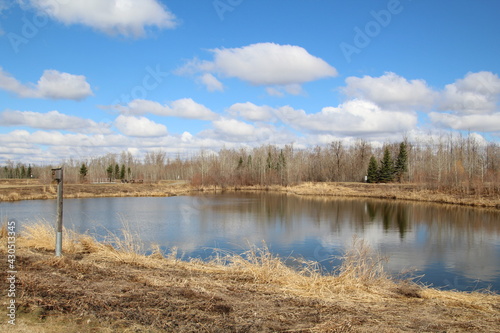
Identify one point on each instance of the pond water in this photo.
(454, 247)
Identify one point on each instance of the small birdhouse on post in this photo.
(57, 175)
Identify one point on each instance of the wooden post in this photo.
(58, 175)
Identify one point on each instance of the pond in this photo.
(453, 247)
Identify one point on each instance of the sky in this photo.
(83, 78)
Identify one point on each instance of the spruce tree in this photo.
(401, 162)
(122, 172)
(386, 168)
(109, 171)
(240, 163)
(117, 171)
(83, 171)
(372, 171)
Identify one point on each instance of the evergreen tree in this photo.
(117, 171)
(401, 162)
(29, 171)
(281, 161)
(240, 163)
(282, 168)
(372, 172)
(269, 160)
(109, 170)
(83, 171)
(386, 173)
(122, 172)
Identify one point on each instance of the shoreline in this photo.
(31, 190)
(97, 287)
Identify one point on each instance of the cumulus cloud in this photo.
(264, 64)
(52, 85)
(252, 112)
(235, 128)
(53, 120)
(183, 108)
(355, 117)
(352, 118)
(113, 17)
(476, 93)
(211, 82)
(390, 91)
(470, 122)
(139, 126)
(470, 103)
(56, 138)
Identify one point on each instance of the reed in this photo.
(118, 282)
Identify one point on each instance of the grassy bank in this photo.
(104, 288)
(391, 191)
(32, 190)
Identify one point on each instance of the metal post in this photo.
(58, 175)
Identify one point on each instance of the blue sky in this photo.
(83, 78)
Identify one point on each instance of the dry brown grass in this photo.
(413, 192)
(113, 286)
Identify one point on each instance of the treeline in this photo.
(16, 171)
(448, 162)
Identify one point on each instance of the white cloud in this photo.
(56, 138)
(123, 17)
(390, 91)
(184, 108)
(139, 126)
(57, 85)
(471, 104)
(228, 131)
(355, 117)
(234, 128)
(53, 84)
(53, 120)
(472, 122)
(265, 64)
(476, 93)
(252, 112)
(186, 137)
(272, 91)
(211, 82)
(279, 91)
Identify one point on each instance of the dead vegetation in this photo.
(413, 192)
(112, 286)
(13, 190)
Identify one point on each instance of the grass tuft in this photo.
(362, 266)
(114, 281)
